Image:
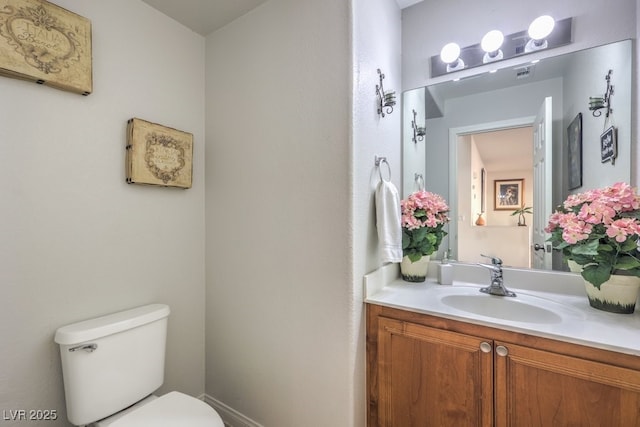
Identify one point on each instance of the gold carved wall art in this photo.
(158, 155)
(44, 43)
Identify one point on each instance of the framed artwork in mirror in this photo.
(483, 190)
(574, 152)
(508, 194)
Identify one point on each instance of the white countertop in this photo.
(577, 322)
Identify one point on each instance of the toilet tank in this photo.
(113, 361)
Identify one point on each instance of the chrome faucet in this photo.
(497, 286)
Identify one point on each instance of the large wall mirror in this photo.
(479, 148)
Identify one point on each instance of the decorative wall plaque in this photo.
(609, 145)
(44, 43)
(158, 155)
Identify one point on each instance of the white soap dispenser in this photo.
(445, 270)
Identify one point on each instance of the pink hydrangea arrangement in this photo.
(599, 230)
(424, 215)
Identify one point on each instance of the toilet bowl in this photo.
(112, 365)
(173, 409)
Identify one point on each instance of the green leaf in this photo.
(419, 234)
(581, 259)
(596, 274)
(420, 213)
(626, 262)
(406, 239)
(414, 256)
(589, 248)
(629, 245)
(605, 248)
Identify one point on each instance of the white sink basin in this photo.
(522, 308)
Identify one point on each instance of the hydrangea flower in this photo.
(599, 229)
(424, 215)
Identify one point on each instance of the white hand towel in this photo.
(388, 217)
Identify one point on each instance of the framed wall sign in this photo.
(44, 43)
(158, 155)
(609, 145)
(574, 152)
(509, 194)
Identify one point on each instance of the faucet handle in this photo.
(494, 260)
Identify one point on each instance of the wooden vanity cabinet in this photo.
(428, 371)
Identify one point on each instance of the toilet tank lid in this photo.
(99, 327)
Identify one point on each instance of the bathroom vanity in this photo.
(451, 356)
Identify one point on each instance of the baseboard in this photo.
(230, 416)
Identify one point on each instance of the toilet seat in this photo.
(173, 409)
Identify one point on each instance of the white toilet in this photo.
(111, 366)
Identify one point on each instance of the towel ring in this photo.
(379, 161)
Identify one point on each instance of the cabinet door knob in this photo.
(502, 350)
(485, 347)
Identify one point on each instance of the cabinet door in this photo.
(431, 377)
(538, 388)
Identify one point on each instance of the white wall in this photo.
(279, 324)
(75, 240)
(285, 328)
(376, 43)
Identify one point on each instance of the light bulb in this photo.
(492, 41)
(450, 53)
(541, 27)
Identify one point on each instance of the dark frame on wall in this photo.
(574, 152)
(483, 190)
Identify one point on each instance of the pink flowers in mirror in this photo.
(599, 230)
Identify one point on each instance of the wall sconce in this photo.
(597, 103)
(385, 100)
(418, 132)
(543, 33)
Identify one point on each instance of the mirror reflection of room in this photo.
(505, 155)
(460, 116)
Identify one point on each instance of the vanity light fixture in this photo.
(418, 131)
(543, 33)
(386, 100)
(490, 44)
(538, 32)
